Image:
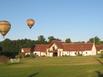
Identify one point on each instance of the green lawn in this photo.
(53, 67)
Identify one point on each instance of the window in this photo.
(53, 48)
(86, 52)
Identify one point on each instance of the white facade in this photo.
(25, 54)
(60, 52)
(93, 50)
(55, 50)
(38, 53)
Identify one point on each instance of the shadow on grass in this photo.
(34, 74)
(100, 61)
(99, 74)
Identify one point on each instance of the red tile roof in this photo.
(26, 50)
(99, 47)
(65, 46)
(61, 45)
(57, 42)
(41, 47)
(77, 46)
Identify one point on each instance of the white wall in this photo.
(90, 52)
(69, 53)
(75, 53)
(94, 50)
(87, 53)
(37, 53)
(50, 54)
(60, 51)
(54, 45)
(43, 53)
(65, 53)
(22, 50)
(84, 53)
(72, 53)
(27, 53)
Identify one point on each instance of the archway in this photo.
(55, 54)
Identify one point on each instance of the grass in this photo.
(53, 67)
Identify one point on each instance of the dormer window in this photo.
(53, 48)
(86, 53)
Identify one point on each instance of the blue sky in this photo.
(75, 19)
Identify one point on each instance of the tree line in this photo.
(11, 48)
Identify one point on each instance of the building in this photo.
(99, 49)
(25, 51)
(58, 48)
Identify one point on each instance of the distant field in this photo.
(54, 67)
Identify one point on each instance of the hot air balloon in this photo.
(30, 22)
(4, 27)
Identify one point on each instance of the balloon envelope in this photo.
(30, 22)
(4, 27)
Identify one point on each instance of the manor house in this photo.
(59, 48)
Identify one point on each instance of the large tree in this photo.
(8, 48)
(95, 40)
(11, 48)
(50, 38)
(68, 40)
(41, 40)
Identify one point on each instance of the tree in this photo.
(50, 38)
(8, 48)
(68, 40)
(0, 50)
(41, 40)
(95, 40)
(11, 48)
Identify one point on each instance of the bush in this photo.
(9, 54)
(101, 54)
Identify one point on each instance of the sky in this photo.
(75, 19)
